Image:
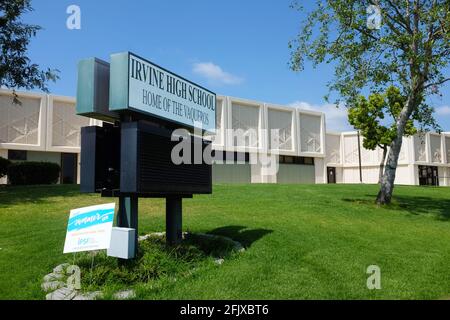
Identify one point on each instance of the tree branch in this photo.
(441, 82)
(401, 19)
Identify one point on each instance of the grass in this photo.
(303, 241)
(155, 264)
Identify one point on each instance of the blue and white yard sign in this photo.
(89, 228)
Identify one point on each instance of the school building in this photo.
(46, 128)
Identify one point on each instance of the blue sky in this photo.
(237, 48)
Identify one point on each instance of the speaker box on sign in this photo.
(100, 159)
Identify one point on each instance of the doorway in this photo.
(331, 173)
(428, 176)
(69, 168)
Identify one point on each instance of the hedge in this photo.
(33, 173)
(4, 164)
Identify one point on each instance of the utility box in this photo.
(122, 243)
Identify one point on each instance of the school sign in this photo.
(139, 85)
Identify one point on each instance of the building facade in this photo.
(46, 128)
(424, 160)
(42, 128)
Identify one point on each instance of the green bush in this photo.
(33, 173)
(4, 164)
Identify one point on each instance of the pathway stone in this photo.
(53, 277)
(89, 296)
(62, 294)
(125, 295)
(52, 286)
(61, 268)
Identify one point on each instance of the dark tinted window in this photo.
(309, 161)
(296, 160)
(234, 157)
(17, 155)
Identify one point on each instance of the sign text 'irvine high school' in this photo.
(142, 86)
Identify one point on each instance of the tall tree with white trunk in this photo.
(376, 44)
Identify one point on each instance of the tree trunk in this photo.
(387, 181)
(383, 160)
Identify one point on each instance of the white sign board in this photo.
(140, 85)
(89, 228)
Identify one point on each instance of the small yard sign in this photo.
(89, 228)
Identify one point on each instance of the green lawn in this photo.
(303, 241)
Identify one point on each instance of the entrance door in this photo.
(428, 176)
(69, 168)
(435, 176)
(331, 172)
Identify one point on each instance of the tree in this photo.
(411, 50)
(16, 69)
(369, 116)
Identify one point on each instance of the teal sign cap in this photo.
(93, 90)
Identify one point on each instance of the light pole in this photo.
(359, 158)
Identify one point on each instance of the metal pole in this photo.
(174, 220)
(359, 156)
(127, 216)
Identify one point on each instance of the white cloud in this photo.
(214, 74)
(336, 118)
(443, 111)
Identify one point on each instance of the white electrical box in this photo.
(122, 243)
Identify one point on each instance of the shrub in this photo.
(4, 164)
(33, 173)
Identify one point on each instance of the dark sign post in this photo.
(130, 157)
(174, 220)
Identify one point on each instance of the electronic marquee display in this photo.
(139, 85)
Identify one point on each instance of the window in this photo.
(282, 122)
(289, 160)
(235, 157)
(310, 133)
(245, 124)
(66, 125)
(17, 155)
(428, 176)
(19, 124)
(296, 160)
(308, 161)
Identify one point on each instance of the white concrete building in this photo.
(301, 142)
(46, 128)
(42, 128)
(424, 159)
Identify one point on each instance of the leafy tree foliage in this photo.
(16, 69)
(376, 119)
(411, 50)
